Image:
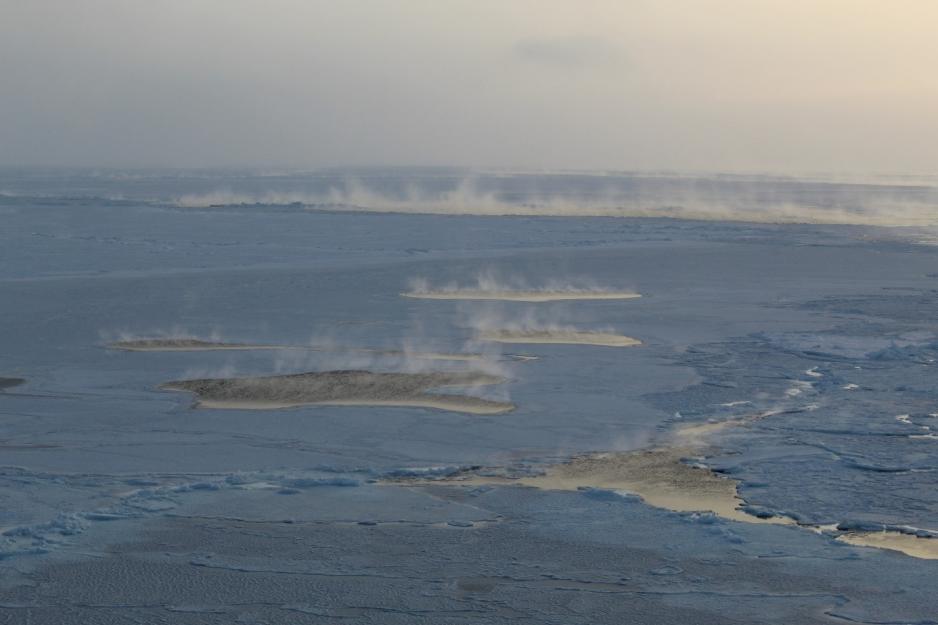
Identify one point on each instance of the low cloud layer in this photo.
(830, 86)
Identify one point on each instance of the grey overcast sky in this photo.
(724, 85)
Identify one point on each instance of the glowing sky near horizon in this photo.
(731, 85)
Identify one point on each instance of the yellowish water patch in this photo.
(926, 548)
(662, 478)
(564, 337)
(659, 476)
(700, 433)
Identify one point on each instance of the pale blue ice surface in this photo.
(120, 502)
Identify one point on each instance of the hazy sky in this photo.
(730, 85)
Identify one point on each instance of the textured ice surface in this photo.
(792, 349)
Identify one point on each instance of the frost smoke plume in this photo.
(555, 321)
(344, 387)
(489, 286)
(174, 333)
(720, 198)
(412, 354)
